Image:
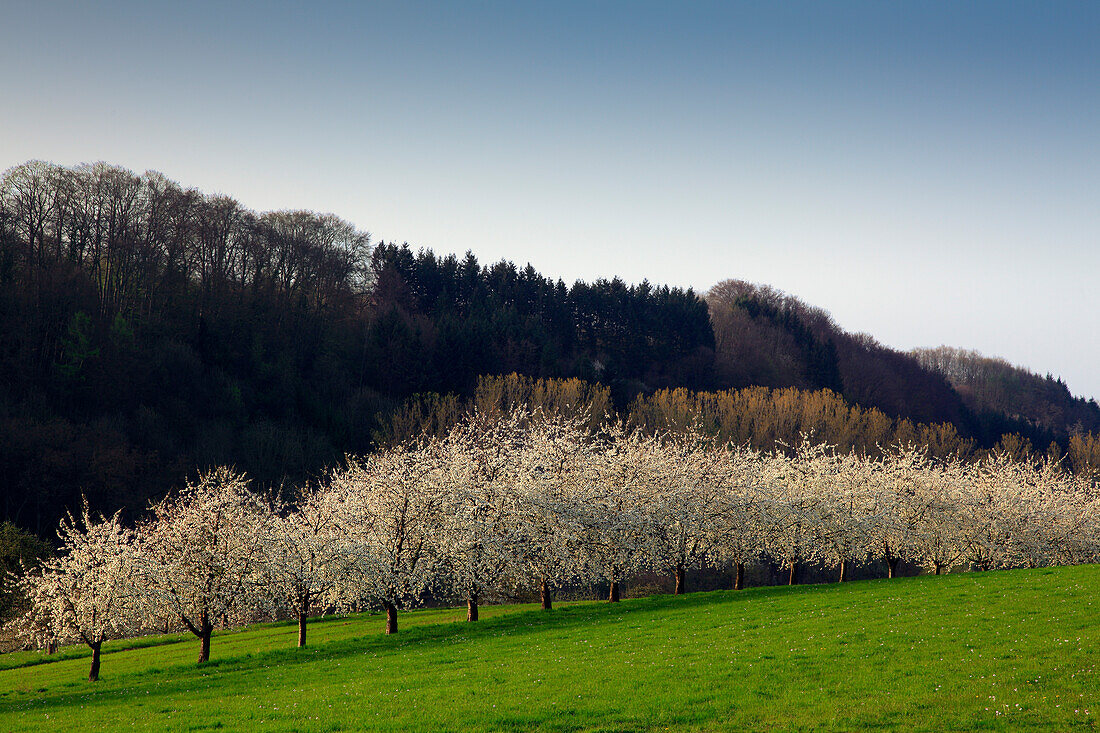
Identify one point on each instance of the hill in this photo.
(1016, 396)
(766, 337)
(1006, 650)
(148, 330)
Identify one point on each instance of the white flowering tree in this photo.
(896, 503)
(844, 518)
(85, 593)
(938, 537)
(1074, 529)
(790, 509)
(201, 555)
(611, 517)
(738, 530)
(986, 507)
(1031, 491)
(393, 508)
(685, 501)
(552, 470)
(479, 534)
(308, 554)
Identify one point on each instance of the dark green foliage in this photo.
(147, 331)
(76, 346)
(18, 549)
(454, 320)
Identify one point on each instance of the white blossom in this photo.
(86, 593)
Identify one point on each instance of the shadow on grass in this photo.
(157, 682)
(69, 653)
(20, 660)
(515, 620)
(180, 679)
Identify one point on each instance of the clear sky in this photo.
(927, 172)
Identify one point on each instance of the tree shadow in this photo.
(164, 682)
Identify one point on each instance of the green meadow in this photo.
(976, 651)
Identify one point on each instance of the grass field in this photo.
(1002, 651)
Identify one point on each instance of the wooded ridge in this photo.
(149, 330)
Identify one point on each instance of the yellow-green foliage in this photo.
(767, 418)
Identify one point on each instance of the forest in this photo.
(149, 331)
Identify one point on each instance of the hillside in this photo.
(766, 337)
(1006, 650)
(148, 330)
(997, 389)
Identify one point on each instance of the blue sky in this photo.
(927, 172)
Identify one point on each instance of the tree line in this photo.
(463, 321)
(148, 330)
(764, 337)
(993, 387)
(539, 500)
(763, 418)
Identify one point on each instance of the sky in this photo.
(929, 172)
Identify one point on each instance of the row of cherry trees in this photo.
(497, 503)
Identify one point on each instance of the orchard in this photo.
(527, 499)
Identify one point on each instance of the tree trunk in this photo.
(613, 595)
(303, 615)
(794, 566)
(204, 647)
(892, 566)
(93, 673)
(843, 570)
(205, 631)
(739, 578)
(471, 607)
(391, 618)
(544, 591)
(680, 580)
(938, 567)
(51, 647)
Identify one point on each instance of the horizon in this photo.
(926, 175)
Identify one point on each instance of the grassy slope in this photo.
(1000, 650)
